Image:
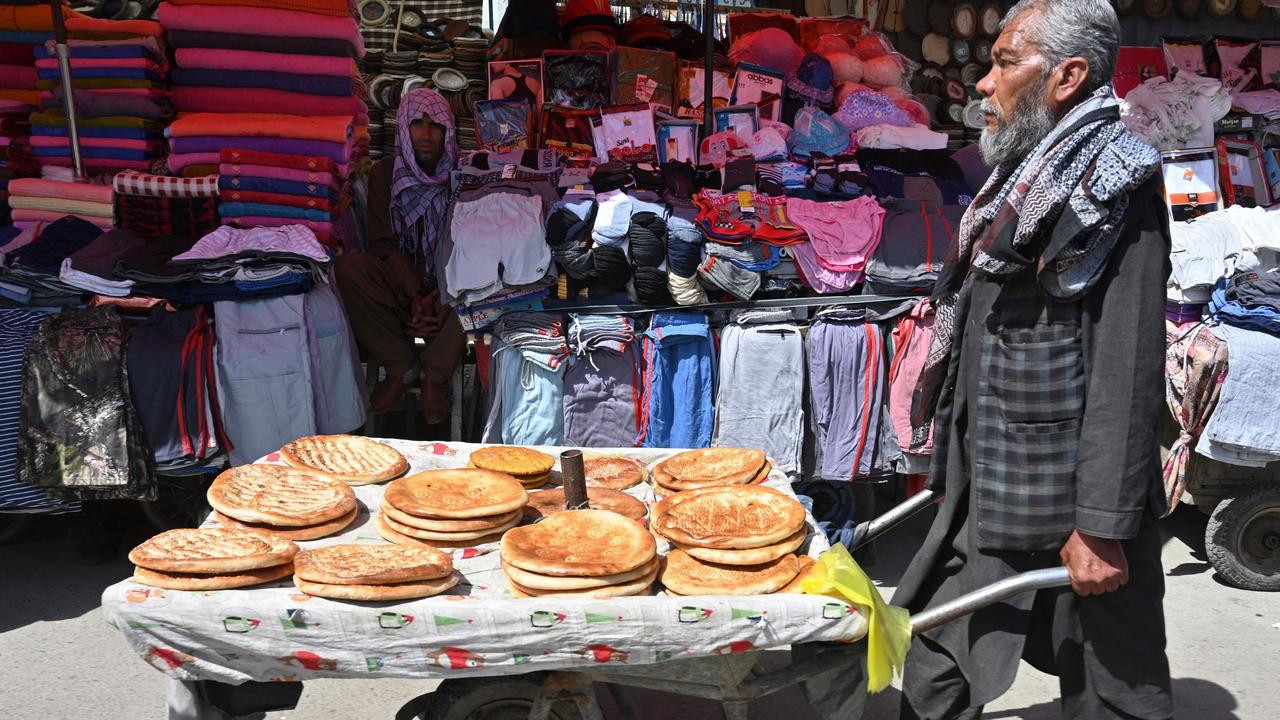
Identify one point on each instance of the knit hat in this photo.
(610, 176)
(771, 47)
(582, 15)
(845, 67)
(884, 71)
(645, 31)
(812, 80)
(816, 132)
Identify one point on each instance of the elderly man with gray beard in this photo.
(1043, 388)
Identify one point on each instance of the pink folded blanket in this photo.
(18, 76)
(121, 143)
(260, 21)
(230, 100)
(24, 215)
(137, 63)
(249, 60)
(98, 163)
(39, 187)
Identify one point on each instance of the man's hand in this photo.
(425, 322)
(1096, 565)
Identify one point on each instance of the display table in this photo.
(275, 633)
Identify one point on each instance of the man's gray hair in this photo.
(1074, 28)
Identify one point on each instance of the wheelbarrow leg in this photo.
(735, 709)
(573, 687)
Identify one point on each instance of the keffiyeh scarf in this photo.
(419, 198)
(1064, 201)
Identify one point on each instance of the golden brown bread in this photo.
(352, 459)
(212, 550)
(583, 543)
(449, 537)
(280, 496)
(735, 517)
(376, 593)
(512, 460)
(549, 502)
(553, 583)
(615, 472)
(296, 534)
(684, 574)
(456, 494)
(639, 586)
(390, 535)
(709, 467)
(371, 564)
(806, 567)
(752, 556)
(210, 581)
(490, 522)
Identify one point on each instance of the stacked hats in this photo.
(580, 553)
(588, 25)
(710, 467)
(451, 508)
(374, 572)
(734, 540)
(292, 503)
(352, 459)
(546, 503)
(212, 559)
(530, 467)
(614, 473)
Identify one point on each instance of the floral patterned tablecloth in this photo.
(274, 632)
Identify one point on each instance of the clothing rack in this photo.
(783, 303)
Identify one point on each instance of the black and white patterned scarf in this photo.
(1064, 201)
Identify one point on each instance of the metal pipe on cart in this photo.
(574, 477)
(68, 96)
(708, 77)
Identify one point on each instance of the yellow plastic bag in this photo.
(837, 575)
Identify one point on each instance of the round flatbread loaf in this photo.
(615, 473)
(457, 494)
(212, 550)
(638, 586)
(375, 593)
(280, 496)
(709, 467)
(489, 524)
(754, 556)
(309, 532)
(352, 459)
(737, 517)
(552, 583)
(371, 564)
(806, 566)
(211, 581)
(545, 503)
(583, 543)
(512, 460)
(448, 536)
(390, 535)
(684, 574)
(533, 482)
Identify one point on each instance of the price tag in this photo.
(746, 202)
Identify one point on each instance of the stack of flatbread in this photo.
(730, 540)
(352, 459)
(530, 467)
(451, 508)
(294, 503)
(373, 572)
(580, 553)
(212, 559)
(549, 502)
(710, 467)
(615, 473)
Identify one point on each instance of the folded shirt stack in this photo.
(119, 75)
(22, 29)
(37, 201)
(237, 56)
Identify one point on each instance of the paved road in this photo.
(58, 660)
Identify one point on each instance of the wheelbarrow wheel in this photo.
(1243, 538)
(500, 698)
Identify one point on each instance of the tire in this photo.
(499, 698)
(1243, 538)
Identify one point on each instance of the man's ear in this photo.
(1068, 82)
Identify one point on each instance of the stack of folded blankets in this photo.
(23, 26)
(273, 56)
(159, 205)
(227, 264)
(33, 262)
(273, 170)
(120, 77)
(36, 201)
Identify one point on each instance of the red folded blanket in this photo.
(270, 198)
(253, 61)
(260, 21)
(335, 8)
(333, 128)
(223, 100)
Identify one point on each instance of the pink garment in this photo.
(143, 63)
(321, 229)
(259, 21)
(150, 43)
(179, 161)
(222, 100)
(843, 234)
(291, 238)
(278, 173)
(100, 163)
(911, 340)
(48, 100)
(122, 143)
(215, 59)
(821, 279)
(39, 187)
(26, 215)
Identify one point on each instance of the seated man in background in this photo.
(390, 290)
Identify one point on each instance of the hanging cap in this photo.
(580, 15)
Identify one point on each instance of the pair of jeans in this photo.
(680, 379)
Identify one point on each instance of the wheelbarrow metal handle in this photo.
(870, 530)
(989, 595)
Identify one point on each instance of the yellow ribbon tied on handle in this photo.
(837, 575)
